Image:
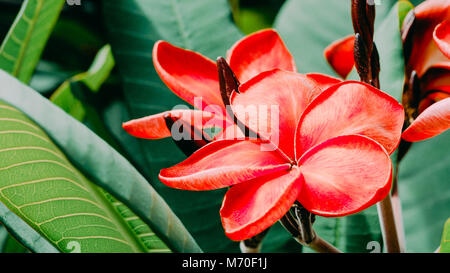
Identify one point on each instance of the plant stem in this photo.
(322, 246)
(299, 225)
(397, 208)
(388, 226)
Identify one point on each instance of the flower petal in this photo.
(322, 80)
(441, 36)
(261, 51)
(154, 126)
(188, 74)
(432, 10)
(350, 108)
(253, 206)
(271, 104)
(339, 55)
(223, 163)
(421, 52)
(431, 122)
(435, 80)
(431, 99)
(344, 175)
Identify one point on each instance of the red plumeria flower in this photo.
(333, 156)
(192, 76)
(426, 37)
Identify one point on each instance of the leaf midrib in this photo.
(27, 39)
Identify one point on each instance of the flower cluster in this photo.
(335, 137)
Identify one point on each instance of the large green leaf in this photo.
(390, 48)
(445, 242)
(73, 210)
(134, 26)
(3, 236)
(151, 242)
(92, 157)
(425, 192)
(64, 98)
(23, 232)
(25, 41)
(13, 246)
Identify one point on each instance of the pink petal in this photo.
(344, 175)
(253, 206)
(271, 104)
(431, 99)
(433, 121)
(350, 108)
(422, 53)
(223, 163)
(441, 36)
(188, 74)
(261, 51)
(322, 80)
(339, 55)
(154, 126)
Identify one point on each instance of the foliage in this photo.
(108, 179)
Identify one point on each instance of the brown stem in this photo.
(397, 208)
(322, 246)
(389, 226)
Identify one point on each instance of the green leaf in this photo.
(63, 97)
(3, 236)
(13, 246)
(308, 26)
(24, 233)
(92, 157)
(26, 39)
(74, 210)
(150, 240)
(251, 16)
(404, 6)
(48, 76)
(93, 79)
(390, 48)
(424, 192)
(134, 26)
(445, 242)
(10, 245)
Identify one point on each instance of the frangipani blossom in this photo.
(194, 78)
(333, 155)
